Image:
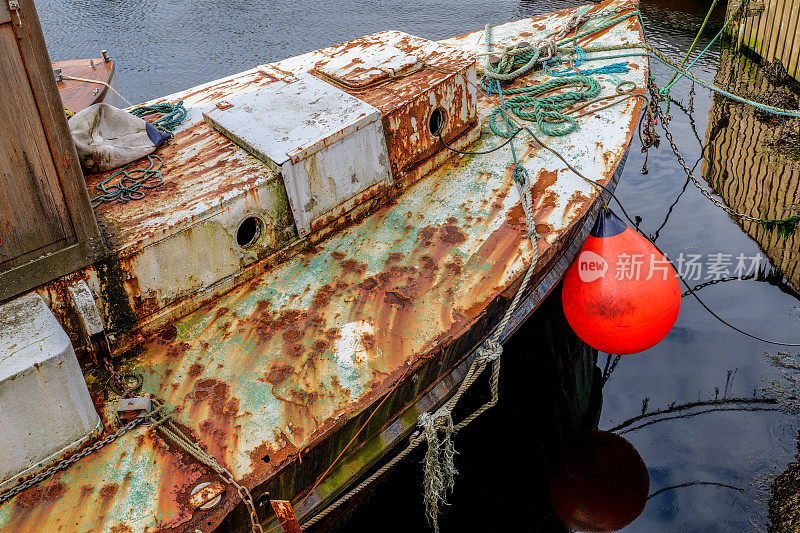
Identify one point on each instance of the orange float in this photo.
(600, 483)
(621, 295)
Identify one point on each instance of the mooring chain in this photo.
(116, 377)
(125, 391)
(716, 281)
(164, 423)
(695, 181)
(64, 463)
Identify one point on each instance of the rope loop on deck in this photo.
(131, 183)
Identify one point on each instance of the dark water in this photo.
(162, 47)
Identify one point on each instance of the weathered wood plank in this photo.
(44, 205)
(757, 33)
(50, 266)
(51, 109)
(777, 37)
(32, 216)
(791, 27)
(782, 19)
(793, 58)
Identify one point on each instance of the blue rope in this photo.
(613, 68)
(580, 59)
(707, 85)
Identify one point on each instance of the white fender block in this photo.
(45, 408)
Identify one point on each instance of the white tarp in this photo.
(107, 137)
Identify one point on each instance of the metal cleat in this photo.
(130, 408)
(206, 495)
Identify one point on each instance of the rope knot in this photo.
(547, 48)
(490, 351)
(519, 175)
(574, 22)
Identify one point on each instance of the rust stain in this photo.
(406, 102)
(108, 491)
(284, 350)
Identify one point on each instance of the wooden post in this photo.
(47, 226)
(774, 33)
(285, 513)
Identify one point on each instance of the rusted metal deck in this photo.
(284, 356)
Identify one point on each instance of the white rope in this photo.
(98, 82)
(439, 466)
(440, 469)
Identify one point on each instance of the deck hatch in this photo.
(408, 78)
(359, 67)
(328, 145)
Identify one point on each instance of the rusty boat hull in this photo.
(289, 348)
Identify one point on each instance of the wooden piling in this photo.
(771, 33)
(47, 226)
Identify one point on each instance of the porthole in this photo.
(436, 121)
(249, 231)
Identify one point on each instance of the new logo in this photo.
(591, 266)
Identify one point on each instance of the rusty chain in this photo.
(64, 463)
(125, 390)
(116, 377)
(117, 380)
(162, 422)
(665, 118)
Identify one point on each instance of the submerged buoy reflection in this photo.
(600, 483)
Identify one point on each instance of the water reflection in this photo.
(599, 483)
(751, 161)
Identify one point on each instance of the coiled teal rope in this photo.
(132, 183)
(173, 114)
(536, 104)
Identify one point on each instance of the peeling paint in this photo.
(275, 375)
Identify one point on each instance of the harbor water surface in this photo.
(164, 46)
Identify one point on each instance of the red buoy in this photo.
(599, 483)
(621, 295)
